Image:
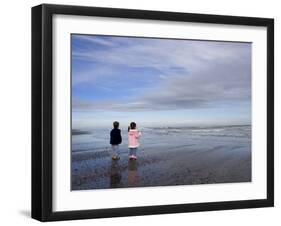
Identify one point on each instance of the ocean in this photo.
(167, 138)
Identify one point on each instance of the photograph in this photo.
(141, 112)
(149, 111)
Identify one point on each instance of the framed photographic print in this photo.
(140, 112)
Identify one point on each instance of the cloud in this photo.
(193, 74)
(89, 39)
(164, 54)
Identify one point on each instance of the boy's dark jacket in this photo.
(115, 137)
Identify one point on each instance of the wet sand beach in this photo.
(198, 159)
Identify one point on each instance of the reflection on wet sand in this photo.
(115, 174)
(133, 177)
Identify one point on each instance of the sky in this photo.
(156, 81)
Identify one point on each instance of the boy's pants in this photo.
(115, 149)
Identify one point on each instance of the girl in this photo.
(134, 136)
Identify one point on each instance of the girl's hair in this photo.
(133, 125)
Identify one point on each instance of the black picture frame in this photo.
(42, 106)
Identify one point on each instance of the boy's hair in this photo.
(115, 125)
(133, 125)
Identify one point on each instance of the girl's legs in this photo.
(133, 153)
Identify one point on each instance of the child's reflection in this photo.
(133, 177)
(115, 174)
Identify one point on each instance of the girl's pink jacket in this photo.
(134, 135)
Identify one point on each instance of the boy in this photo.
(115, 140)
